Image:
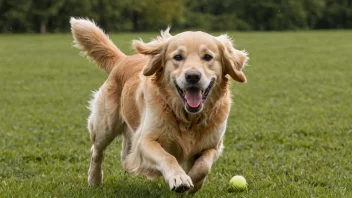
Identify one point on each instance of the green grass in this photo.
(289, 132)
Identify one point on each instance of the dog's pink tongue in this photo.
(193, 98)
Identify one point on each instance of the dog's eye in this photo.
(178, 57)
(207, 57)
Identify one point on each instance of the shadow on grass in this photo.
(147, 189)
(129, 186)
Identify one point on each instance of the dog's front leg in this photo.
(202, 167)
(167, 164)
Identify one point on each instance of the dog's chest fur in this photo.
(185, 135)
(184, 140)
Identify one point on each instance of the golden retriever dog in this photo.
(170, 102)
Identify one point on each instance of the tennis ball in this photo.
(238, 183)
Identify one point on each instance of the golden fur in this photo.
(163, 134)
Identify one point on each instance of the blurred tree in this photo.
(290, 14)
(15, 16)
(110, 17)
(315, 10)
(145, 15)
(43, 9)
(151, 13)
(337, 14)
(72, 8)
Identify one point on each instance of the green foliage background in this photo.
(145, 15)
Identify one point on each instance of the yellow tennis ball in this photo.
(238, 183)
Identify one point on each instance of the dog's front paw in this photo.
(95, 177)
(180, 182)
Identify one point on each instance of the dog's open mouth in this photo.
(194, 97)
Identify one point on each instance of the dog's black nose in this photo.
(193, 76)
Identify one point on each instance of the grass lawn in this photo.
(289, 133)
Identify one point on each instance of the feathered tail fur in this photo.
(95, 44)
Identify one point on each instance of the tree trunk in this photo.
(102, 18)
(135, 21)
(43, 26)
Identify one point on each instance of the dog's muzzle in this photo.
(194, 97)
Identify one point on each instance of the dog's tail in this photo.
(95, 44)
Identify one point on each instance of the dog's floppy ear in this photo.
(156, 49)
(233, 60)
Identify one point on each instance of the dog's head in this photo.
(192, 64)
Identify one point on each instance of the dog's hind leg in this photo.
(104, 125)
(126, 144)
